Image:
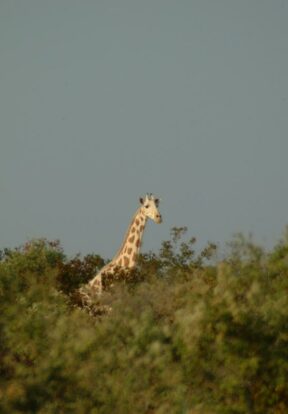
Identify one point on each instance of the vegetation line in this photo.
(185, 332)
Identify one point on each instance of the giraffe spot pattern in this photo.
(126, 261)
(137, 222)
(138, 243)
(129, 251)
(133, 230)
(131, 239)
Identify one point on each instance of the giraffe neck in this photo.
(129, 251)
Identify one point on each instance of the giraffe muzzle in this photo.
(158, 219)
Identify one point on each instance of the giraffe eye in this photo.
(147, 206)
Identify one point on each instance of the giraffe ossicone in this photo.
(126, 257)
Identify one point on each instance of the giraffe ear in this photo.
(157, 201)
(141, 200)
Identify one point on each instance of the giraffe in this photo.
(126, 257)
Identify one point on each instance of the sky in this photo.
(104, 101)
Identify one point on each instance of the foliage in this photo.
(186, 334)
(77, 271)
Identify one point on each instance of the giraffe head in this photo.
(149, 207)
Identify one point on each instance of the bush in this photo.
(189, 336)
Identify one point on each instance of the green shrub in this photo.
(185, 335)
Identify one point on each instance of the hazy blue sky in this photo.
(102, 101)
